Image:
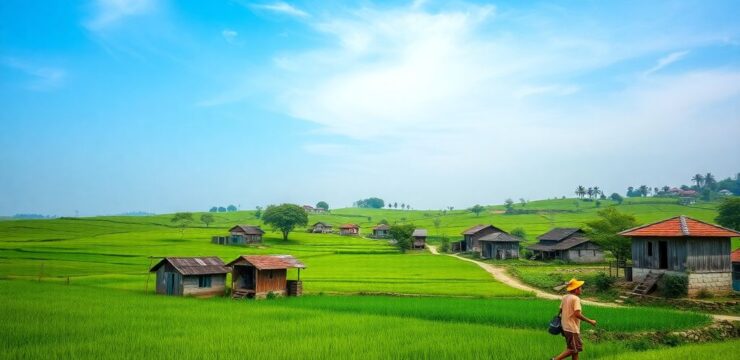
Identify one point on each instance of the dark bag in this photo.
(556, 326)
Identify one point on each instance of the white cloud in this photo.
(666, 60)
(42, 78)
(229, 35)
(281, 8)
(110, 12)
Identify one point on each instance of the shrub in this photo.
(674, 286)
(270, 295)
(526, 253)
(444, 245)
(603, 282)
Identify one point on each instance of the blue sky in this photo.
(121, 105)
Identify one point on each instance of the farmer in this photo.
(570, 313)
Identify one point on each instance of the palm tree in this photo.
(580, 191)
(597, 191)
(590, 193)
(699, 179)
(709, 180)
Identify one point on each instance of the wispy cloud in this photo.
(281, 8)
(107, 13)
(666, 60)
(229, 35)
(41, 78)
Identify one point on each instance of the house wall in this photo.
(271, 280)
(684, 254)
(419, 242)
(472, 242)
(190, 285)
(583, 253)
(489, 249)
(163, 277)
(718, 283)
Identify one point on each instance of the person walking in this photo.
(571, 316)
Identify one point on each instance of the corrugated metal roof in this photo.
(419, 233)
(203, 265)
(499, 237)
(562, 245)
(248, 229)
(558, 234)
(270, 262)
(475, 229)
(680, 226)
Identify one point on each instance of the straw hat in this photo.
(574, 284)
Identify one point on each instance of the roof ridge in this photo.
(684, 226)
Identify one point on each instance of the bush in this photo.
(526, 253)
(444, 245)
(270, 295)
(674, 286)
(603, 282)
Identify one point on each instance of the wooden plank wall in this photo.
(276, 284)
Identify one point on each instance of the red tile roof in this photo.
(736, 256)
(270, 262)
(680, 226)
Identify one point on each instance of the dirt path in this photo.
(501, 275)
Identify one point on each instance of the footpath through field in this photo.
(502, 276)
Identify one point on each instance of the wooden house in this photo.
(259, 275)
(196, 276)
(736, 270)
(381, 231)
(490, 242)
(321, 228)
(313, 210)
(567, 244)
(349, 229)
(418, 239)
(240, 235)
(686, 247)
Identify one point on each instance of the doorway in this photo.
(662, 255)
(170, 283)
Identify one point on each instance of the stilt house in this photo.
(419, 239)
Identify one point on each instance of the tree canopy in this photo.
(477, 209)
(322, 205)
(231, 208)
(373, 203)
(285, 218)
(604, 232)
(207, 219)
(402, 235)
(729, 213)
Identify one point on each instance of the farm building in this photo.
(197, 276)
(321, 228)
(490, 242)
(349, 229)
(418, 239)
(240, 235)
(381, 231)
(736, 270)
(567, 244)
(259, 275)
(682, 246)
(313, 210)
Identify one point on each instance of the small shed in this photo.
(499, 245)
(196, 276)
(418, 239)
(321, 228)
(240, 235)
(736, 270)
(349, 229)
(687, 247)
(381, 231)
(259, 275)
(567, 244)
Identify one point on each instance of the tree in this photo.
(258, 213)
(709, 181)
(698, 179)
(656, 191)
(437, 222)
(221, 209)
(285, 218)
(729, 213)
(183, 219)
(522, 202)
(213, 209)
(643, 189)
(207, 219)
(390, 205)
(370, 203)
(604, 232)
(519, 232)
(322, 205)
(383, 221)
(395, 205)
(444, 244)
(616, 197)
(408, 207)
(590, 192)
(402, 235)
(509, 205)
(231, 208)
(403, 206)
(666, 189)
(477, 209)
(630, 191)
(580, 191)
(597, 191)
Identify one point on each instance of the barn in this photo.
(349, 229)
(196, 276)
(256, 276)
(686, 247)
(567, 244)
(418, 239)
(240, 235)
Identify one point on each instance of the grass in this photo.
(709, 351)
(80, 322)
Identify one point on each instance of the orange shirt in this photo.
(570, 304)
